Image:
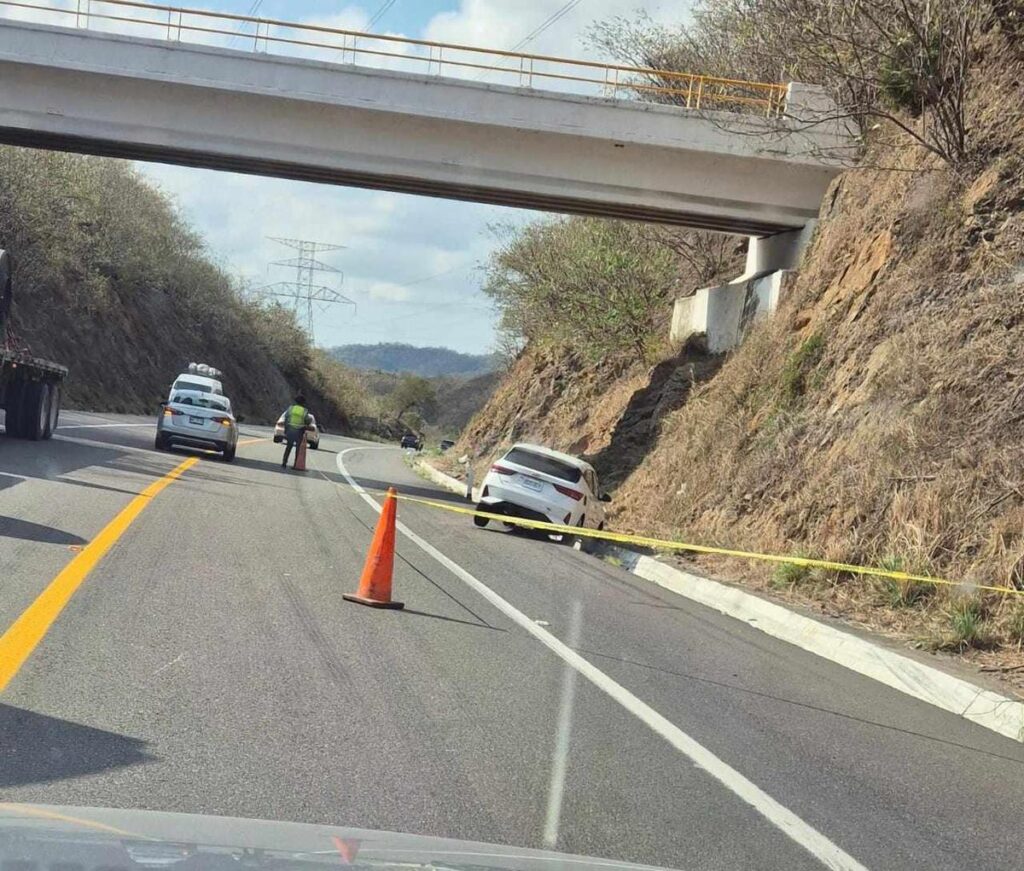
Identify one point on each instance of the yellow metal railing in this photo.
(266, 35)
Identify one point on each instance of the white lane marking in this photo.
(560, 762)
(804, 834)
(101, 425)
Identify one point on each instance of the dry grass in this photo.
(878, 418)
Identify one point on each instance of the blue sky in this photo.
(412, 264)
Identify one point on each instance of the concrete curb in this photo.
(441, 479)
(934, 686)
(984, 707)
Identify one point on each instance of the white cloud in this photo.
(410, 263)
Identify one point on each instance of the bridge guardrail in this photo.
(311, 40)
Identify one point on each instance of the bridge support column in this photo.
(723, 314)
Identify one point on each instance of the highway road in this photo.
(529, 694)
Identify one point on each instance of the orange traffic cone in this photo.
(375, 583)
(300, 454)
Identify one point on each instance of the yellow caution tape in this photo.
(665, 544)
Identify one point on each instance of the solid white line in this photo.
(829, 854)
(100, 425)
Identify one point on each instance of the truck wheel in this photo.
(53, 412)
(12, 420)
(35, 411)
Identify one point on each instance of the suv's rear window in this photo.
(542, 463)
(191, 385)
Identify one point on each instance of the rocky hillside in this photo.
(112, 283)
(875, 418)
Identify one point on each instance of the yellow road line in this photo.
(47, 814)
(251, 441)
(18, 642)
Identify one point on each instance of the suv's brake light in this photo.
(168, 411)
(502, 470)
(575, 495)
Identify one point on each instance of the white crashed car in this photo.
(538, 483)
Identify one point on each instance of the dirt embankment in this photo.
(111, 282)
(878, 417)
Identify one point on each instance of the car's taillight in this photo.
(172, 412)
(501, 470)
(223, 421)
(575, 495)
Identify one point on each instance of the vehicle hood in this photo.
(46, 836)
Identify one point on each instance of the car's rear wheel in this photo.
(229, 453)
(161, 443)
(278, 439)
(478, 520)
(315, 445)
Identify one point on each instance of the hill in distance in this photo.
(428, 362)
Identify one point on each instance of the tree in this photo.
(597, 285)
(412, 392)
(906, 62)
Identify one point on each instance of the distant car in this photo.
(312, 432)
(197, 419)
(538, 483)
(446, 444)
(411, 440)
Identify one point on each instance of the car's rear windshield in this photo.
(542, 463)
(201, 401)
(191, 385)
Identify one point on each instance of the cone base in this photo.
(373, 603)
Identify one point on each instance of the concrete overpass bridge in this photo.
(198, 88)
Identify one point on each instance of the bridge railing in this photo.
(322, 42)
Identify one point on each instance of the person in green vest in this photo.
(296, 419)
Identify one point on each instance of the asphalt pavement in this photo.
(208, 664)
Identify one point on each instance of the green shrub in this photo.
(899, 593)
(967, 620)
(796, 374)
(790, 574)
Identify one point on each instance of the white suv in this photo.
(538, 483)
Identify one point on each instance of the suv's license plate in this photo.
(196, 420)
(533, 484)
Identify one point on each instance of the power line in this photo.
(555, 16)
(380, 13)
(558, 14)
(253, 9)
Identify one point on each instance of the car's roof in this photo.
(197, 379)
(555, 455)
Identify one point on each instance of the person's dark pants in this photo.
(291, 437)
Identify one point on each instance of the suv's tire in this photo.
(480, 521)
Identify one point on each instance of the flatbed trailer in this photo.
(30, 387)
